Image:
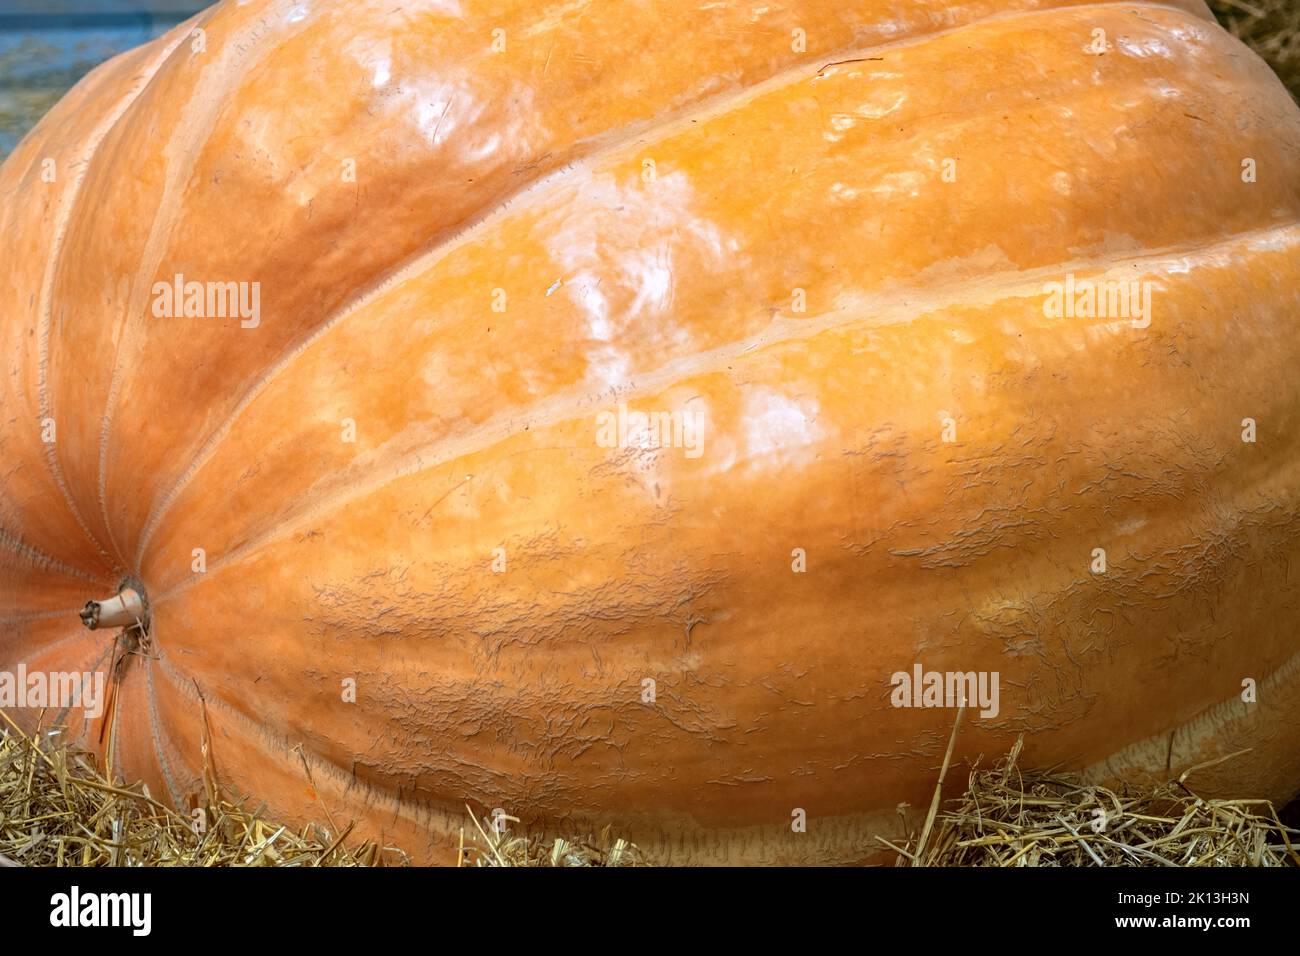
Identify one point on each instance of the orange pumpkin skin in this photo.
(826, 228)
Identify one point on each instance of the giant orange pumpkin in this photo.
(633, 389)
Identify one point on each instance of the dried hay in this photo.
(58, 809)
(1014, 817)
(1271, 28)
(494, 846)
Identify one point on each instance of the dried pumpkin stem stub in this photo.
(124, 609)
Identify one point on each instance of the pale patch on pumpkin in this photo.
(1274, 241)
(990, 260)
(373, 54)
(779, 430)
(882, 107)
(843, 192)
(618, 297)
(450, 112)
(431, 116)
(436, 371)
(448, 8)
(1131, 526)
(1146, 47)
(893, 185)
(555, 17)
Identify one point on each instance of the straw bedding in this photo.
(1014, 817)
(1271, 28)
(57, 808)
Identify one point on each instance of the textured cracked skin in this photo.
(648, 183)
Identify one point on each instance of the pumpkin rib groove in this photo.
(577, 397)
(198, 124)
(228, 427)
(9, 619)
(39, 559)
(449, 240)
(70, 203)
(155, 732)
(1198, 730)
(97, 665)
(709, 842)
(281, 748)
(189, 686)
(563, 405)
(69, 638)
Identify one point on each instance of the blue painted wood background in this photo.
(47, 45)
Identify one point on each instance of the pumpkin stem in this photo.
(124, 609)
